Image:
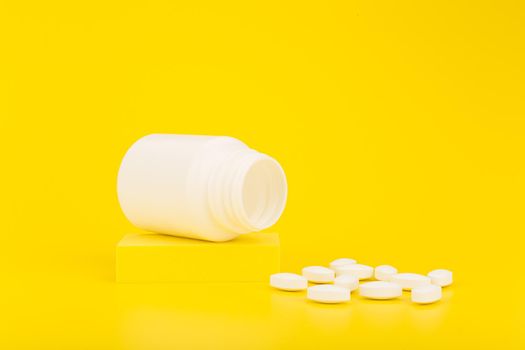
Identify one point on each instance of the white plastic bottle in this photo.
(206, 187)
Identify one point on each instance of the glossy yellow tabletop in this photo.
(400, 125)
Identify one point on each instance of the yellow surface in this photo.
(161, 258)
(400, 124)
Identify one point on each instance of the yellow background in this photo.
(401, 126)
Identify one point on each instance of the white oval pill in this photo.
(328, 293)
(318, 274)
(408, 281)
(441, 277)
(384, 272)
(427, 294)
(288, 281)
(380, 290)
(341, 262)
(358, 270)
(347, 281)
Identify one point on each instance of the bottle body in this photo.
(205, 187)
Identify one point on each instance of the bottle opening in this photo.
(248, 192)
(264, 192)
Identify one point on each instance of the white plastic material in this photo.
(380, 290)
(358, 270)
(426, 294)
(341, 262)
(408, 281)
(288, 281)
(347, 281)
(318, 274)
(441, 277)
(384, 272)
(206, 187)
(328, 293)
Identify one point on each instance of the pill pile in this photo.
(335, 283)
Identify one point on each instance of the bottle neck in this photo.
(247, 192)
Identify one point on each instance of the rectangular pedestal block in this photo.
(160, 258)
